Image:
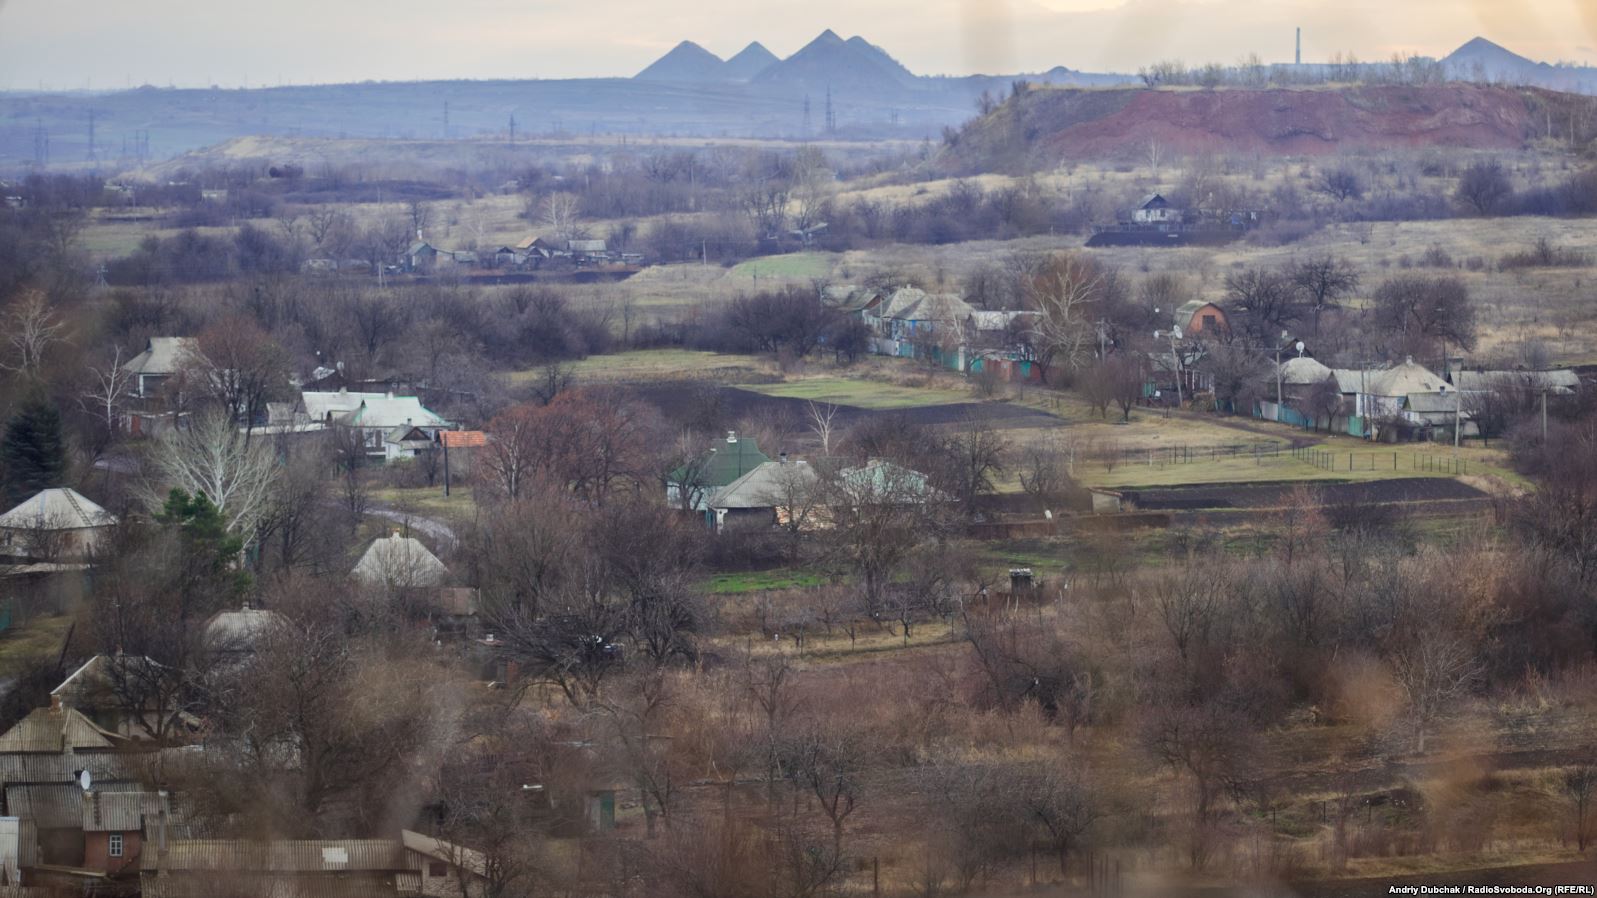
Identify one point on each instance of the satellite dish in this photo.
(1176, 333)
(1300, 347)
(85, 780)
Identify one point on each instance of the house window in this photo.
(437, 869)
(116, 845)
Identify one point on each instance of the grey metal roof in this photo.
(1559, 380)
(163, 355)
(49, 806)
(763, 487)
(53, 730)
(235, 630)
(60, 508)
(399, 561)
(437, 849)
(103, 811)
(284, 856)
(63, 767)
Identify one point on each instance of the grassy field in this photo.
(427, 500)
(791, 265)
(27, 644)
(862, 393)
(759, 581)
(650, 364)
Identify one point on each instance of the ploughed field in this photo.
(1273, 495)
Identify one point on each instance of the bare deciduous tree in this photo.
(211, 458)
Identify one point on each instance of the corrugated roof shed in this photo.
(49, 806)
(437, 849)
(285, 856)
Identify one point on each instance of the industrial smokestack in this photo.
(1299, 56)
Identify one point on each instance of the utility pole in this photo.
(1458, 417)
(806, 115)
(91, 137)
(831, 116)
(512, 128)
(1544, 415)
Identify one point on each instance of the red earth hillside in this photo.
(1047, 125)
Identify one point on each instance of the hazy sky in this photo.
(113, 43)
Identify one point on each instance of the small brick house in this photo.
(113, 828)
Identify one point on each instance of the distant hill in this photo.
(1047, 125)
(1480, 60)
(829, 62)
(749, 61)
(686, 62)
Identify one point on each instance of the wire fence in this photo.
(1183, 454)
(1418, 462)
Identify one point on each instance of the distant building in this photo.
(1198, 318)
(376, 416)
(690, 485)
(162, 357)
(1155, 210)
(420, 258)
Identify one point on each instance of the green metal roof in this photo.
(729, 460)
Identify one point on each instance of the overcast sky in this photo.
(115, 43)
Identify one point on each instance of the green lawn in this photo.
(790, 265)
(759, 581)
(861, 393)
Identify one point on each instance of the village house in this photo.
(756, 500)
(774, 492)
(690, 485)
(114, 825)
(161, 359)
(1402, 401)
(587, 252)
(399, 562)
(128, 696)
(376, 416)
(1200, 319)
(1156, 211)
(420, 258)
(54, 525)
